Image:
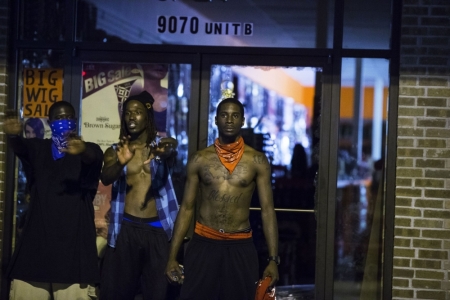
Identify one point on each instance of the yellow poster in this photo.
(41, 88)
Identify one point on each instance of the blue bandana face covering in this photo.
(60, 131)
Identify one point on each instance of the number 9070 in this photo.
(174, 24)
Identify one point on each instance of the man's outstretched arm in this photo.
(90, 153)
(13, 127)
(173, 271)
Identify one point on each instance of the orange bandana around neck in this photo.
(230, 154)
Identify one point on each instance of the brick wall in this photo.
(422, 215)
(3, 101)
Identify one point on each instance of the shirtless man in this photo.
(143, 206)
(221, 260)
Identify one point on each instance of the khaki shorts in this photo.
(26, 290)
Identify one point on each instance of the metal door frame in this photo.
(326, 183)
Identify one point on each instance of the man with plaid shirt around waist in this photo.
(143, 206)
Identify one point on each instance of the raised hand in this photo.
(75, 145)
(166, 148)
(12, 125)
(125, 152)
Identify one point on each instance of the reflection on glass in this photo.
(35, 16)
(280, 110)
(41, 59)
(107, 86)
(273, 23)
(367, 24)
(278, 105)
(360, 179)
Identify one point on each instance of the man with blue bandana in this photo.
(56, 257)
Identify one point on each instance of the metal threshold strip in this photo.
(287, 209)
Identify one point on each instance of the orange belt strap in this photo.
(210, 233)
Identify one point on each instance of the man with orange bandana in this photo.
(221, 260)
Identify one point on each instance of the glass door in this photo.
(287, 102)
(105, 82)
(283, 101)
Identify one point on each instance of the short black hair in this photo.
(233, 101)
(59, 104)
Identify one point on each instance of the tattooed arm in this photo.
(173, 271)
(269, 218)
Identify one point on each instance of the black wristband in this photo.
(276, 259)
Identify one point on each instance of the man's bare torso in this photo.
(225, 198)
(138, 186)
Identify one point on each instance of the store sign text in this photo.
(41, 88)
(192, 25)
(102, 78)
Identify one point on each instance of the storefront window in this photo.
(367, 24)
(279, 104)
(274, 23)
(279, 114)
(360, 179)
(105, 86)
(35, 19)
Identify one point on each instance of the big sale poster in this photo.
(105, 87)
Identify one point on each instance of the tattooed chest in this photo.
(223, 197)
(216, 173)
(222, 217)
